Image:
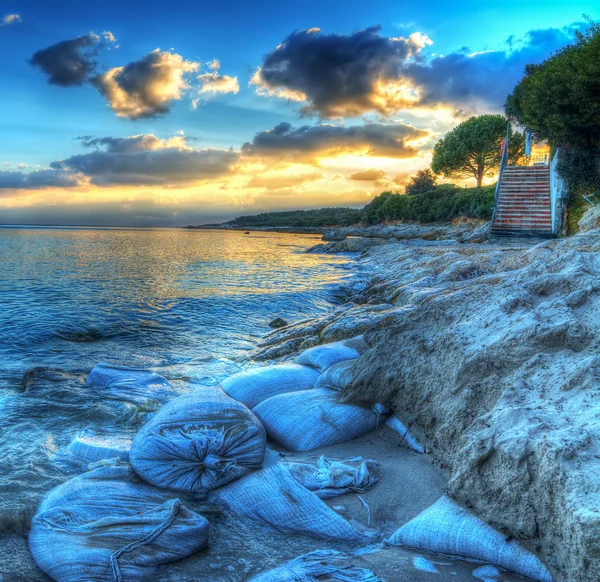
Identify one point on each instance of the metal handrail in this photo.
(533, 160)
(503, 162)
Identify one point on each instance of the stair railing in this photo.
(503, 162)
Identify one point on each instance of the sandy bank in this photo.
(490, 352)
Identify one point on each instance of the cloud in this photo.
(368, 175)
(70, 62)
(374, 139)
(340, 75)
(10, 19)
(215, 83)
(277, 181)
(134, 143)
(350, 75)
(39, 179)
(146, 160)
(147, 87)
(485, 77)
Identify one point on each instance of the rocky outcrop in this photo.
(490, 354)
(334, 236)
(590, 219)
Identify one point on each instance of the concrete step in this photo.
(524, 203)
(511, 225)
(536, 215)
(521, 233)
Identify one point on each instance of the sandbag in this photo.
(334, 565)
(337, 377)
(134, 385)
(106, 525)
(407, 438)
(272, 496)
(301, 421)
(197, 442)
(253, 386)
(358, 343)
(326, 355)
(90, 446)
(332, 478)
(448, 528)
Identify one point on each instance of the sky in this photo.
(154, 113)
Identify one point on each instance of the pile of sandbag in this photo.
(91, 446)
(337, 377)
(301, 421)
(447, 528)
(134, 385)
(297, 416)
(108, 525)
(273, 497)
(253, 386)
(197, 442)
(332, 478)
(323, 563)
(324, 356)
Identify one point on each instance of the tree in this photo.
(423, 181)
(473, 148)
(559, 100)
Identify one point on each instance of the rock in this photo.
(278, 322)
(333, 236)
(495, 364)
(479, 235)
(489, 352)
(590, 220)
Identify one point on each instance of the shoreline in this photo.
(476, 346)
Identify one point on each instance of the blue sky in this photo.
(40, 121)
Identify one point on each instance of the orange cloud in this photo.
(369, 175)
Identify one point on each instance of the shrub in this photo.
(441, 204)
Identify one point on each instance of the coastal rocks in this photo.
(198, 442)
(278, 322)
(253, 386)
(273, 497)
(590, 219)
(301, 421)
(107, 525)
(334, 236)
(447, 528)
(42, 377)
(410, 231)
(480, 235)
(362, 318)
(348, 245)
(496, 373)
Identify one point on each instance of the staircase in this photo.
(523, 206)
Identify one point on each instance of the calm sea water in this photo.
(189, 304)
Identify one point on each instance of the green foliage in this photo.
(473, 148)
(558, 100)
(580, 169)
(423, 181)
(321, 217)
(440, 204)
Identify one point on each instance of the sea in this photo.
(188, 304)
